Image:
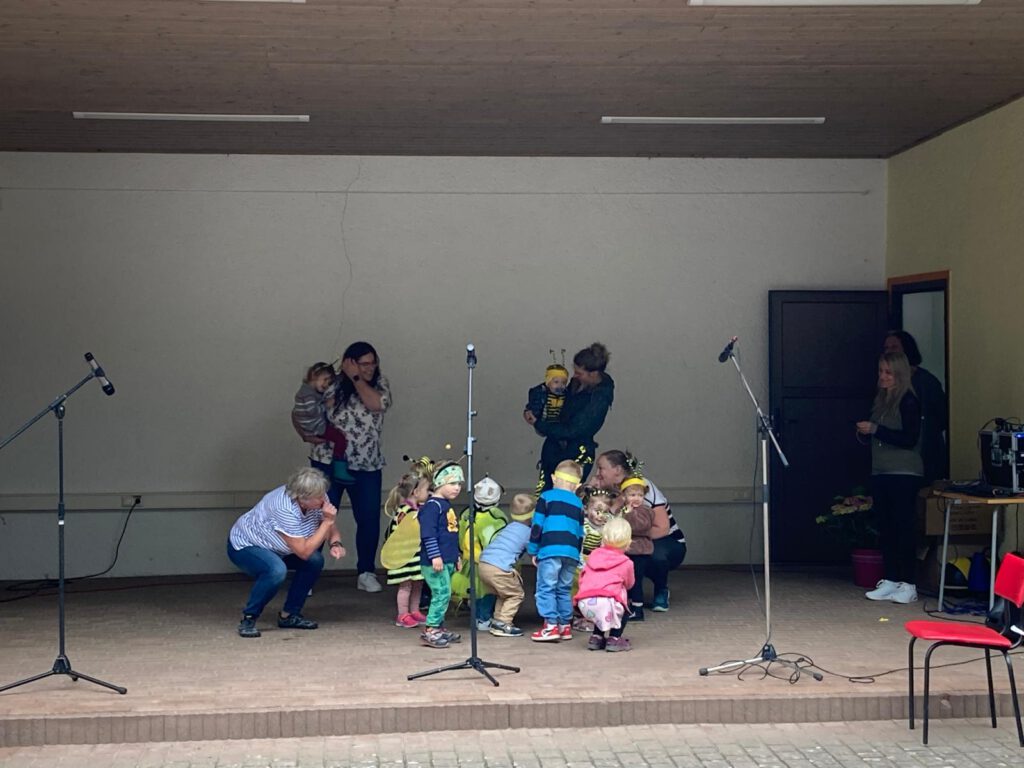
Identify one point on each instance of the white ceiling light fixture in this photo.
(639, 120)
(833, 2)
(193, 117)
(254, 1)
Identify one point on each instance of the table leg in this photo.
(993, 556)
(942, 560)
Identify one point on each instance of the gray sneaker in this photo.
(501, 629)
(433, 638)
(451, 637)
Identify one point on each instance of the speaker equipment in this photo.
(1002, 459)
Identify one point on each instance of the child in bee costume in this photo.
(489, 519)
(401, 551)
(545, 402)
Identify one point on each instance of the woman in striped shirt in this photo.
(610, 469)
(285, 531)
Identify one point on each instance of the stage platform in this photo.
(172, 643)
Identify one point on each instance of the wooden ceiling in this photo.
(500, 77)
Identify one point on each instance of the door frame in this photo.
(924, 282)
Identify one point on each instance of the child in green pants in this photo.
(439, 550)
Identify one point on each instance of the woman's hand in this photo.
(866, 427)
(350, 368)
(329, 511)
(337, 552)
(437, 564)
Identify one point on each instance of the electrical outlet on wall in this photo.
(131, 500)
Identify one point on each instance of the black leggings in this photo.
(895, 503)
(614, 632)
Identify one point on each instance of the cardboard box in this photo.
(964, 519)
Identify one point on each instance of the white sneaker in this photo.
(906, 593)
(883, 590)
(368, 582)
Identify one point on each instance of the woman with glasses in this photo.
(362, 396)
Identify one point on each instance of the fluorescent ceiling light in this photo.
(833, 2)
(254, 1)
(614, 119)
(191, 117)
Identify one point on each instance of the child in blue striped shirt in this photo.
(556, 539)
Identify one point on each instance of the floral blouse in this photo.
(362, 427)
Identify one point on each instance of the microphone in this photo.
(470, 355)
(97, 371)
(727, 352)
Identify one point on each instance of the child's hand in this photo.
(437, 564)
(533, 559)
(458, 564)
(530, 418)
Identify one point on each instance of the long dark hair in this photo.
(353, 352)
(910, 348)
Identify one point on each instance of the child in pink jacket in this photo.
(604, 582)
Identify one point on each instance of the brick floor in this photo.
(954, 743)
(190, 677)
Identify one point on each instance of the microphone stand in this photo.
(474, 661)
(764, 429)
(61, 666)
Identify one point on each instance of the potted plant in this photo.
(851, 521)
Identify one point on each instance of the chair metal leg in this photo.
(1013, 695)
(910, 668)
(927, 688)
(991, 690)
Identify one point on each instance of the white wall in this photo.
(206, 284)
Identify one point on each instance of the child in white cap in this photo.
(488, 520)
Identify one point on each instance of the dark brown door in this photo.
(823, 348)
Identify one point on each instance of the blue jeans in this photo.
(364, 494)
(270, 569)
(485, 607)
(554, 589)
(334, 491)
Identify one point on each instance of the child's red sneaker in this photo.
(549, 633)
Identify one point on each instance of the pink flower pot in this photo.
(868, 568)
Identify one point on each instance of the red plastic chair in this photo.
(995, 635)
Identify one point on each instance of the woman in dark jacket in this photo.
(896, 475)
(587, 401)
(934, 410)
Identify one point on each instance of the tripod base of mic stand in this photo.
(472, 662)
(768, 656)
(61, 666)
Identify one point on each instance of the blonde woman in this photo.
(894, 432)
(285, 531)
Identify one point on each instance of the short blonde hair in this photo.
(617, 533)
(521, 507)
(307, 483)
(570, 466)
